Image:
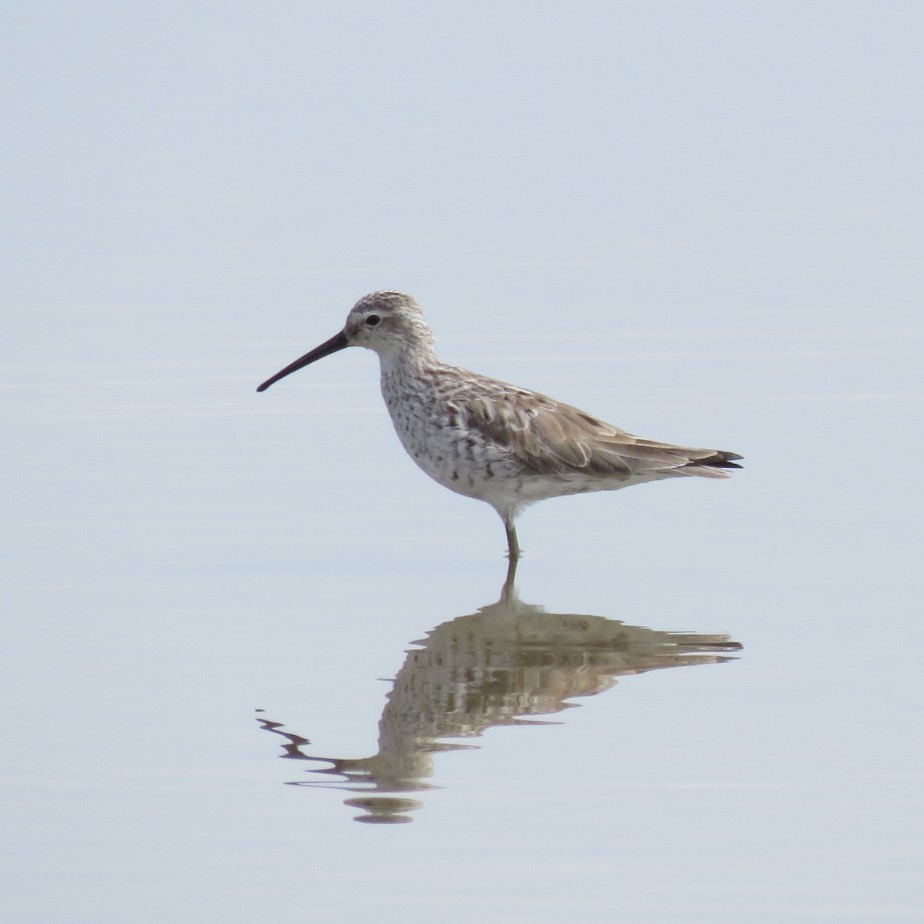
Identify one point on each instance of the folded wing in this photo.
(550, 438)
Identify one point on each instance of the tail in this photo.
(721, 459)
(713, 466)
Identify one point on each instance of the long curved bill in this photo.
(337, 342)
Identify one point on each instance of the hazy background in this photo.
(700, 221)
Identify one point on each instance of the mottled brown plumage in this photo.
(551, 438)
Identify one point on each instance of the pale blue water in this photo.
(704, 702)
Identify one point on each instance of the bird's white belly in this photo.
(457, 460)
(455, 457)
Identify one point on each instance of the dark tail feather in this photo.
(721, 459)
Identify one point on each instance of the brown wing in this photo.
(556, 439)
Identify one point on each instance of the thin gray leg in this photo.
(508, 591)
(513, 547)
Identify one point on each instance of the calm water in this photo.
(233, 635)
(257, 667)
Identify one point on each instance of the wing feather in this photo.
(549, 438)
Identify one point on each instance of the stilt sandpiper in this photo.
(505, 445)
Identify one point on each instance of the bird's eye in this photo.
(372, 320)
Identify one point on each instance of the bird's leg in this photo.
(508, 591)
(513, 547)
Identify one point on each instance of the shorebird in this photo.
(483, 438)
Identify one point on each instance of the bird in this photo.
(483, 438)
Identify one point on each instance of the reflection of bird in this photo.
(502, 665)
(495, 442)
